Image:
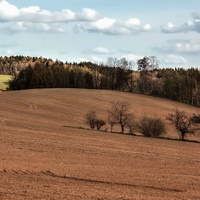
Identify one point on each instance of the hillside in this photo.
(179, 84)
(43, 156)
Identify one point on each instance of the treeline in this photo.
(14, 64)
(179, 84)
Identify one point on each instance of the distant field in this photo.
(4, 81)
(43, 155)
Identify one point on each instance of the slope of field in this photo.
(44, 157)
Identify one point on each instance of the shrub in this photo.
(152, 127)
(195, 118)
(90, 118)
(92, 121)
(99, 123)
(131, 124)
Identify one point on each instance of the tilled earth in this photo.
(46, 151)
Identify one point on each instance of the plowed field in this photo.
(46, 151)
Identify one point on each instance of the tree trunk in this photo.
(122, 127)
(182, 136)
(111, 128)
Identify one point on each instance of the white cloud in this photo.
(9, 12)
(190, 25)
(103, 24)
(114, 27)
(181, 46)
(87, 14)
(101, 50)
(92, 58)
(169, 28)
(174, 59)
(132, 22)
(132, 57)
(34, 18)
(147, 27)
(18, 27)
(188, 47)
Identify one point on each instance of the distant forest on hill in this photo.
(178, 84)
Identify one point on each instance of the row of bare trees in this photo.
(120, 114)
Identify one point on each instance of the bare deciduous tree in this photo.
(119, 113)
(182, 122)
(111, 121)
(148, 63)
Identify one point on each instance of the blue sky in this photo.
(93, 30)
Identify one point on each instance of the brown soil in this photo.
(43, 157)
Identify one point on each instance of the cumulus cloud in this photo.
(174, 59)
(101, 50)
(190, 46)
(35, 18)
(190, 25)
(132, 57)
(18, 27)
(170, 28)
(9, 12)
(87, 14)
(112, 26)
(181, 46)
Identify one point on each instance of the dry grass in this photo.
(4, 81)
(42, 159)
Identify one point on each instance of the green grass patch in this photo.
(4, 79)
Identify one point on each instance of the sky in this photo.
(93, 30)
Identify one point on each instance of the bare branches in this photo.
(92, 121)
(119, 113)
(182, 122)
(90, 118)
(131, 124)
(148, 63)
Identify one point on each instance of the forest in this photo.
(177, 84)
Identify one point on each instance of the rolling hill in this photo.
(44, 156)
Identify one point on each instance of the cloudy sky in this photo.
(93, 30)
